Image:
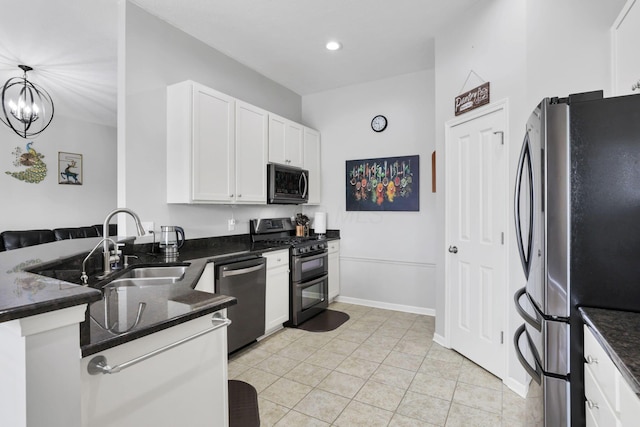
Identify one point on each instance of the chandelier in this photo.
(26, 107)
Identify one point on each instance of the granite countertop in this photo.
(619, 334)
(46, 277)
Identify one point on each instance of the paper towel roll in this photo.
(320, 222)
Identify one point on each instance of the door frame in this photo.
(503, 105)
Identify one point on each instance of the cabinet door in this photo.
(285, 141)
(185, 385)
(334, 269)
(277, 128)
(626, 61)
(251, 153)
(212, 161)
(277, 295)
(312, 163)
(294, 148)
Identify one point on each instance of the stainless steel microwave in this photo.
(287, 185)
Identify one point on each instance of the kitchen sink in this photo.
(164, 272)
(148, 276)
(140, 282)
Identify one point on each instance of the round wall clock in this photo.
(379, 123)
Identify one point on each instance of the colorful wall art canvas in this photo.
(384, 184)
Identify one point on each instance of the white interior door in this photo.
(476, 183)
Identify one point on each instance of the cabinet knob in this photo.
(592, 405)
(230, 195)
(239, 195)
(591, 360)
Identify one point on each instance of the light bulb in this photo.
(333, 45)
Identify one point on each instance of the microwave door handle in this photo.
(525, 156)
(535, 373)
(303, 177)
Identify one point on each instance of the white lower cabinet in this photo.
(183, 386)
(609, 400)
(276, 307)
(334, 269)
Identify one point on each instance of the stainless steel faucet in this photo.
(105, 233)
(84, 277)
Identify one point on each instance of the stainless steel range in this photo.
(308, 279)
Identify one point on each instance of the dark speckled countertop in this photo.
(619, 334)
(46, 277)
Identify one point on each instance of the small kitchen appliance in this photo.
(171, 239)
(287, 184)
(308, 260)
(577, 215)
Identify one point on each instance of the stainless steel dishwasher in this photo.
(245, 279)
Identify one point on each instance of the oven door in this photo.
(309, 267)
(309, 298)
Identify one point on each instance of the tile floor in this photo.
(380, 368)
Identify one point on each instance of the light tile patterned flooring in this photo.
(380, 368)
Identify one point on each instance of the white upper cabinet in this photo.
(216, 147)
(312, 163)
(285, 141)
(252, 145)
(625, 35)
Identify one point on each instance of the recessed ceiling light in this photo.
(333, 45)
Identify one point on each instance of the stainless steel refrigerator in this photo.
(577, 216)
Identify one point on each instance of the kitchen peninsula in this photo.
(50, 327)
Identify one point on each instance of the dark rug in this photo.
(326, 321)
(243, 405)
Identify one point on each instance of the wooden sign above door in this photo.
(472, 99)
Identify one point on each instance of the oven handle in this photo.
(311, 282)
(535, 373)
(312, 257)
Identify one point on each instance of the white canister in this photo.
(320, 222)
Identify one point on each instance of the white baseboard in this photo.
(517, 386)
(387, 306)
(439, 339)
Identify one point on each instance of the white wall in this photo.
(48, 204)
(157, 55)
(386, 257)
(527, 49)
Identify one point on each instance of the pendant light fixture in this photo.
(26, 107)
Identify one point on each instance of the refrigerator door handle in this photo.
(535, 373)
(536, 323)
(524, 161)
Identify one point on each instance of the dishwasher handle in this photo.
(229, 273)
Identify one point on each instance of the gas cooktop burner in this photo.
(280, 231)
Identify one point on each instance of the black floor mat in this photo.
(243, 405)
(326, 321)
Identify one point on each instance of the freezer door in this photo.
(548, 397)
(548, 338)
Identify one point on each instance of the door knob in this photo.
(453, 249)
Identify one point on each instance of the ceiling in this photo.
(72, 44)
